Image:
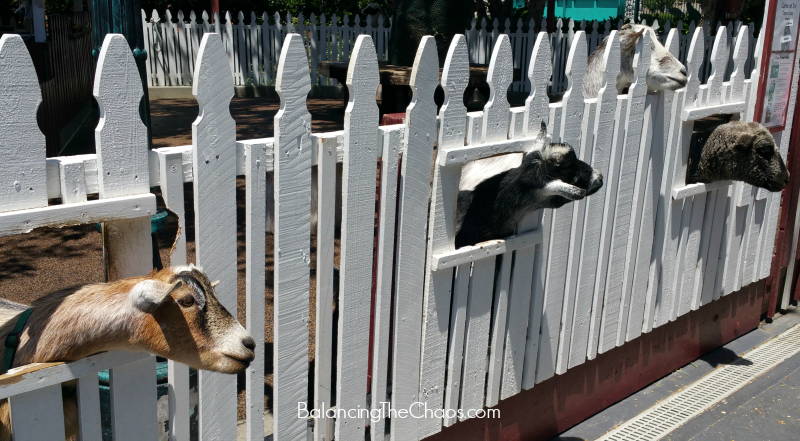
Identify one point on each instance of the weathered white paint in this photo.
(22, 170)
(414, 193)
(479, 312)
(292, 240)
(619, 259)
(572, 105)
(88, 392)
(256, 196)
(323, 348)
(133, 400)
(171, 179)
(358, 220)
(498, 329)
(595, 224)
(214, 168)
(391, 145)
(38, 414)
(577, 135)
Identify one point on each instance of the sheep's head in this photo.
(189, 324)
(665, 72)
(567, 177)
(740, 151)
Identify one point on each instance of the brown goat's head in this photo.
(186, 322)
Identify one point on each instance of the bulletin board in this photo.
(777, 63)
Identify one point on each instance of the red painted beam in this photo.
(563, 401)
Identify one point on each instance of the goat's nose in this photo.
(683, 71)
(249, 343)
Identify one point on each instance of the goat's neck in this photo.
(69, 326)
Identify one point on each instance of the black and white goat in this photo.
(547, 178)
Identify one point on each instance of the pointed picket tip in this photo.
(116, 71)
(501, 65)
(363, 69)
(539, 72)
(212, 83)
(611, 59)
(455, 75)
(293, 82)
(673, 41)
(425, 73)
(576, 61)
(120, 136)
(719, 63)
(22, 172)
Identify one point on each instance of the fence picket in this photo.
(414, 193)
(675, 174)
(479, 312)
(391, 143)
(441, 235)
(292, 239)
(323, 349)
(355, 283)
(171, 181)
(38, 414)
(662, 156)
(22, 170)
(573, 134)
(214, 167)
(133, 400)
(620, 259)
(573, 105)
(183, 54)
(88, 395)
(537, 112)
(587, 302)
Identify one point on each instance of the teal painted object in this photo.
(158, 222)
(588, 9)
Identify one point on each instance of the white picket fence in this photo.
(574, 282)
(254, 49)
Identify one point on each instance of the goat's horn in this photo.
(215, 283)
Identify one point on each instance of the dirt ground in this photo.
(51, 259)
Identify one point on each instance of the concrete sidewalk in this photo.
(764, 409)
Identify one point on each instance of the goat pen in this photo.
(452, 328)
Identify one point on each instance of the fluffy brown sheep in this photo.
(737, 151)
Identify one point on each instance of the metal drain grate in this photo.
(666, 416)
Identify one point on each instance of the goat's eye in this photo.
(765, 151)
(186, 301)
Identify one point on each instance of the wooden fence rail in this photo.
(573, 283)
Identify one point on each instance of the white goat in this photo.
(665, 72)
(173, 313)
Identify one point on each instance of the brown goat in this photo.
(173, 313)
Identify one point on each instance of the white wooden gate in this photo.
(574, 282)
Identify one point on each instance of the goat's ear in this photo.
(149, 293)
(745, 141)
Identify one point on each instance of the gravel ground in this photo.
(50, 259)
